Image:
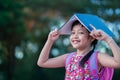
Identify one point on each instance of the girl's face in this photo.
(79, 37)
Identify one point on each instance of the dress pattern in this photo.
(75, 72)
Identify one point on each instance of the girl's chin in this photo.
(76, 47)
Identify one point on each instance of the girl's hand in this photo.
(99, 34)
(53, 35)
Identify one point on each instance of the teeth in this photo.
(75, 41)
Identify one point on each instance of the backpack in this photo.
(106, 73)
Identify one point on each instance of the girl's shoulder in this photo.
(68, 57)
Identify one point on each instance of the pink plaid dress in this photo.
(75, 72)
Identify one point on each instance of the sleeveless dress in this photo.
(75, 72)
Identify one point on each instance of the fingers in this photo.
(54, 32)
(95, 33)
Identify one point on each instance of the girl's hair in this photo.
(87, 56)
(75, 23)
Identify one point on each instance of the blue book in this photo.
(86, 20)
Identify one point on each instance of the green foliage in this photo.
(116, 74)
(11, 22)
(11, 34)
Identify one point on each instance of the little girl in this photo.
(84, 42)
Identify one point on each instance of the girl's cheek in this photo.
(70, 39)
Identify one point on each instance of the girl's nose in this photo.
(75, 35)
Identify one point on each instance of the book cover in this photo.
(85, 20)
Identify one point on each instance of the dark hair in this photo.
(87, 56)
(75, 23)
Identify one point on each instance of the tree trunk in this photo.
(10, 62)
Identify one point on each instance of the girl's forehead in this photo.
(79, 27)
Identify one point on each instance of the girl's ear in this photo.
(91, 38)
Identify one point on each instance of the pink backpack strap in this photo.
(106, 73)
(69, 57)
(94, 65)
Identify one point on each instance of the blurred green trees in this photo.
(11, 33)
(25, 24)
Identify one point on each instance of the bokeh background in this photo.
(25, 24)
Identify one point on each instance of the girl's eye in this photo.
(81, 32)
(77, 33)
(72, 32)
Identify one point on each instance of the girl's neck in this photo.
(83, 52)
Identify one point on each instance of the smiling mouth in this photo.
(75, 41)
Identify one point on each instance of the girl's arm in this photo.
(110, 61)
(105, 59)
(44, 60)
